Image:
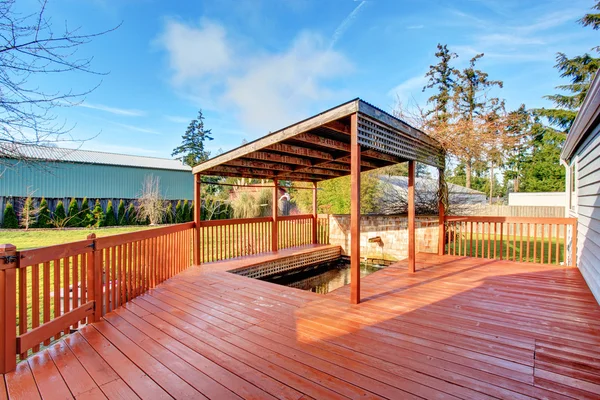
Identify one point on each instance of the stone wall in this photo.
(393, 231)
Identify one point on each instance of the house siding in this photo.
(587, 158)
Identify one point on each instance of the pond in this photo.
(322, 278)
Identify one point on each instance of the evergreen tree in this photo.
(178, 212)
(85, 214)
(110, 219)
(191, 151)
(441, 77)
(43, 220)
(190, 216)
(10, 217)
(580, 70)
(73, 214)
(98, 213)
(185, 213)
(121, 214)
(131, 215)
(28, 214)
(169, 213)
(60, 216)
(541, 171)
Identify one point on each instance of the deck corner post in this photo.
(441, 228)
(573, 244)
(275, 222)
(94, 274)
(197, 218)
(315, 215)
(9, 261)
(411, 216)
(354, 211)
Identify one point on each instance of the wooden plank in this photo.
(37, 335)
(355, 212)
(278, 158)
(411, 217)
(300, 151)
(322, 141)
(20, 383)
(74, 374)
(49, 253)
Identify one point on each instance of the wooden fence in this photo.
(509, 211)
(48, 291)
(540, 240)
(231, 238)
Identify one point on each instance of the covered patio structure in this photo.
(346, 140)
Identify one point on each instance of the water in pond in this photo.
(322, 278)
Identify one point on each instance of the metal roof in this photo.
(318, 148)
(427, 185)
(57, 154)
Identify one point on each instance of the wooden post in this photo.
(441, 229)
(274, 228)
(197, 216)
(354, 211)
(94, 276)
(573, 244)
(411, 216)
(315, 214)
(8, 307)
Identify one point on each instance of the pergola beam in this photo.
(260, 165)
(300, 151)
(279, 158)
(322, 141)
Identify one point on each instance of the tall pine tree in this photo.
(580, 70)
(191, 151)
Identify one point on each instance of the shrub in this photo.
(28, 214)
(86, 218)
(99, 215)
(110, 219)
(169, 213)
(186, 211)
(121, 215)
(10, 217)
(44, 220)
(59, 218)
(179, 212)
(190, 216)
(74, 216)
(131, 216)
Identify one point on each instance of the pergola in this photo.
(345, 140)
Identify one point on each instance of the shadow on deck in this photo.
(458, 328)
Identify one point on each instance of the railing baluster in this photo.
(35, 299)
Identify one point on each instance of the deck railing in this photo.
(231, 238)
(48, 291)
(523, 239)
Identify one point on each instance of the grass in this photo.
(536, 248)
(47, 237)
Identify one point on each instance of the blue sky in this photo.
(255, 66)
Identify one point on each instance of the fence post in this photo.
(94, 275)
(573, 244)
(9, 260)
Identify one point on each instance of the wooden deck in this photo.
(458, 328)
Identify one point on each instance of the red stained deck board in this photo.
(459, 327)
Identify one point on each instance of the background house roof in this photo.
(57, 154)
(427, 185)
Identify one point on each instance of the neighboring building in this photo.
(540, 199)
(581, 156)
(60, 174)
(394, 191)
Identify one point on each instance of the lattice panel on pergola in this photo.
(376, 136)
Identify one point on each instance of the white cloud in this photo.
(267, 89)
(195, 51)
(410, 88)
(137, 128)
(114, 110)
(177, 119)
(415, 27)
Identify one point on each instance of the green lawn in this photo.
(47, 237)
(481, 249)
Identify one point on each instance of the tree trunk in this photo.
(516, 183)
(468, 173)
(491, 183)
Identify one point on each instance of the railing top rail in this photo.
(295, 217)
(530, 220)
(44, 254)
(235, 221)
(124, 238)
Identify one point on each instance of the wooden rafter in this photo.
(338, 127)
(260, 165)
(322, 141)
(279, 158)
(300, 151)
